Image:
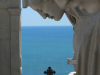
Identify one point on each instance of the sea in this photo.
(46, 46)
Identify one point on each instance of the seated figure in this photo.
(85, 18)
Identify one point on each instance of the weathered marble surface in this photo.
(85, 18)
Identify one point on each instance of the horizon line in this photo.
(69, 25)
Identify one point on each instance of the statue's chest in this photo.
(83, 30)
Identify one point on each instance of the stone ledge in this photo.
(72, 73)
(71, 61)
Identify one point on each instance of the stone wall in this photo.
(10, 37)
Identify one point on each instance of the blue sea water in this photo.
(44, 46)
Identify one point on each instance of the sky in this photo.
(29, 17)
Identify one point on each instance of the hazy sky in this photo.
(29, 17)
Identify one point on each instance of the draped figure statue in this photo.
(85, 18)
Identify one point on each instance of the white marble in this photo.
(72, 73)
(85, 18)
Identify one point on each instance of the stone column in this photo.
(5, 43)
(10, 37)
(15, 41)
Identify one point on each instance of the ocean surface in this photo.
(44, 46)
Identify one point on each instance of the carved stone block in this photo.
(10, 4)
(0, 34)
(5, 57)
(5, 34)
(4, 19)
(15, 53)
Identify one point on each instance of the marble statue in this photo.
(85, 18)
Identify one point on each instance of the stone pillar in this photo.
(15, 41)
(10, 37)
(5, 43)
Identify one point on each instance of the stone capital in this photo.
(15, 12)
